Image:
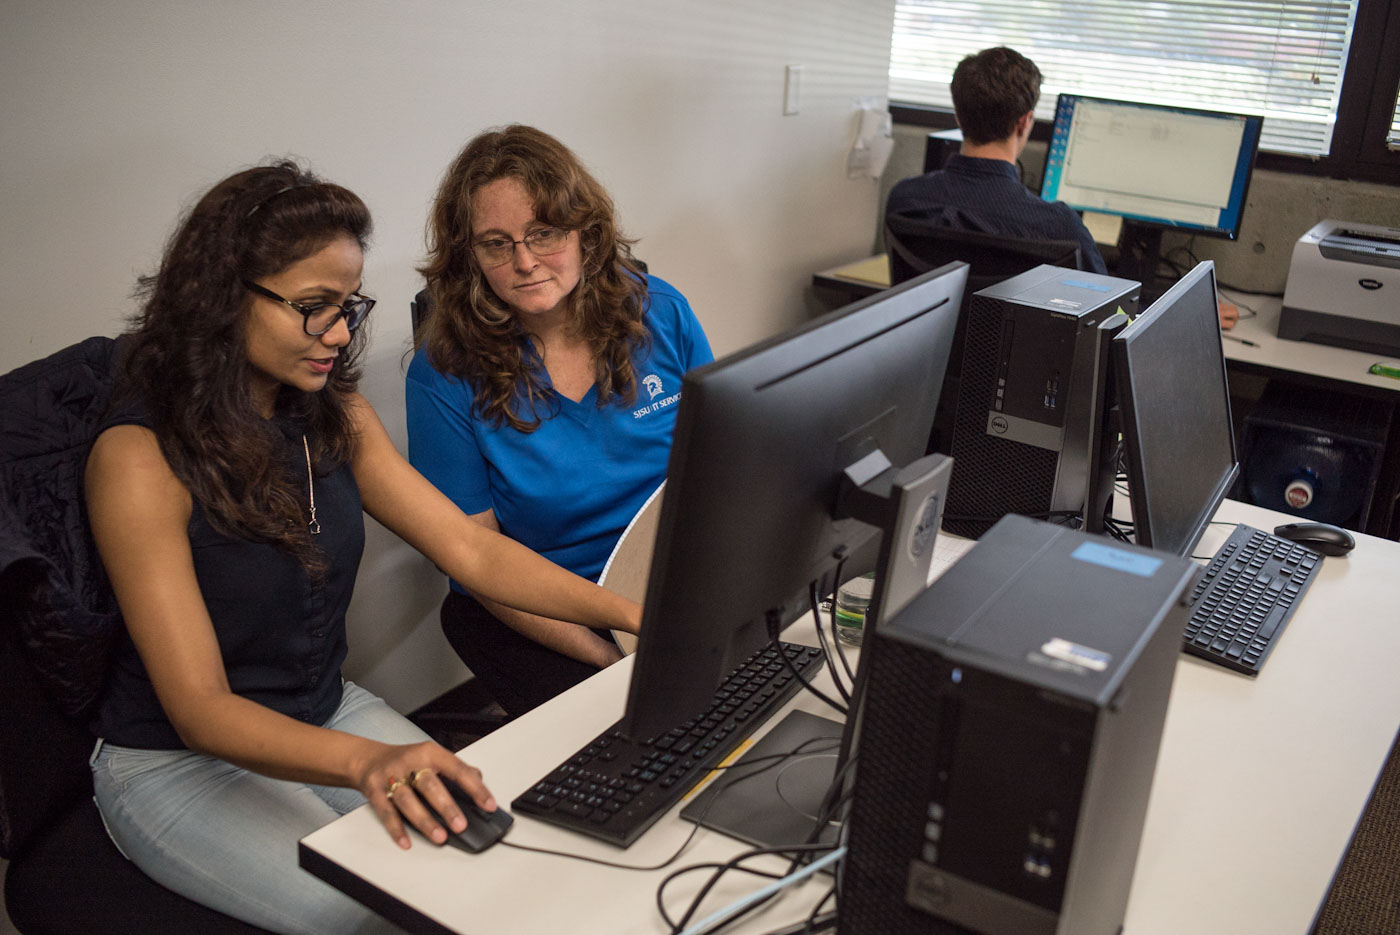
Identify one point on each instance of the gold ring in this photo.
(417, 775)
(394, 784)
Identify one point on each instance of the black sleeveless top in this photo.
(282, 637)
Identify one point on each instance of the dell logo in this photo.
(1000, 425)
(1371, 284)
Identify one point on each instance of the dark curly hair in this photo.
(188, 357)
(992, 90)
(472, 334)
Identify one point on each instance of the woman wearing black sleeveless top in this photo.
(225, 494)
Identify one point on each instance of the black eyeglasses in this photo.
(319, 318)
(540, 242)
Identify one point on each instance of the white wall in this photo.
(115, 116)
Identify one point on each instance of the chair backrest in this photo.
(629, 566)
(918, 244)
(418, 313)
(58, 619)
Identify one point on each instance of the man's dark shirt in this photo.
(986, 195)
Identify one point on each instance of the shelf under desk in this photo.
(1258, 787)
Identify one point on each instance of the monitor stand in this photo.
(777, 807)
(770, 796)
(1139, 254)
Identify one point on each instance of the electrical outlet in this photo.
(792, 90)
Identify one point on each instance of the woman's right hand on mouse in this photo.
(398, 780)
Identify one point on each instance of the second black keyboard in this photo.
(614, 788)
(1245, 598)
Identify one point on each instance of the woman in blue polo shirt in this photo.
(544, 393)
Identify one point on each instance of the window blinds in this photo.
(1280, 58)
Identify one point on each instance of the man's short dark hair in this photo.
(991, 91)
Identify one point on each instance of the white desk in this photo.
(1270, 352)
(1259, 785)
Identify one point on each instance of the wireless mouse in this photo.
(1320, 537)
(483, 828)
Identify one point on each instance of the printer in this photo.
(1344, 288)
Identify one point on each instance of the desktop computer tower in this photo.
(1031, 413)
(1008, 738)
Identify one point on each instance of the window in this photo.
(1313, 68)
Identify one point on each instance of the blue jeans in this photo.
(226, 837)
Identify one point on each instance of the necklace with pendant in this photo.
(314, 526)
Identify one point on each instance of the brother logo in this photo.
(1372, 284)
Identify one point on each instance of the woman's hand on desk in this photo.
(399, 778)
(1229, 314)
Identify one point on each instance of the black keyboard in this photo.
(614, 788)
(1245, 598)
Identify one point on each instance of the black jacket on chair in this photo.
(58, 620)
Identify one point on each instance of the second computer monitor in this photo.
(1178, 440)
(1162, 166)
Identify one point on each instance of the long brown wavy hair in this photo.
(188, 357)
(472, 334)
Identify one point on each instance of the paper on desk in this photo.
(874, 270)
(1104, 227)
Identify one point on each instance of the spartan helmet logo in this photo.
(653, 384)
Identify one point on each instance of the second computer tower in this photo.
(1009, 736)
(1030, 417)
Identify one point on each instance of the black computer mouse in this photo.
(1320, 537)
(483, 828)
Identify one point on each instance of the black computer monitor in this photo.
(771, 448)
(1174, 404)
(1158, 167)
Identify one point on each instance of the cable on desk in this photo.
(714, 921)
(833, 801)
(1118, 529)
(1217, 522)
(831, 606)
(816, 921)
(1189, 248)
(775, 623)
(836, 638)
(827, 650)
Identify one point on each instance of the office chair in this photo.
(57, 619)
(917, 243)
(418, 313)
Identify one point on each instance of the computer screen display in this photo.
(1168, 167)
(1178, 441)
(762, 440)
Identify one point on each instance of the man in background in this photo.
(979, 189)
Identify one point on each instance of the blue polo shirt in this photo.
(568, 489)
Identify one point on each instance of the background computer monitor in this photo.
(1156, 166)
(762, 440)
(1174, 403)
